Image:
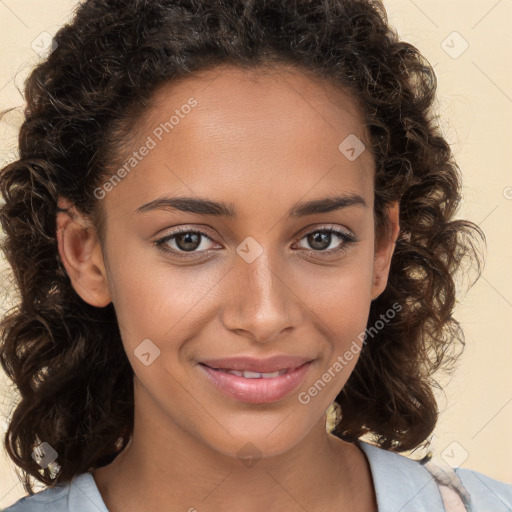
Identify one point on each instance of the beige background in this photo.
(475, 100)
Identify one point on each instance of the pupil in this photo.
(319, 238)
(188, 244)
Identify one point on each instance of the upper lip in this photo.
(253, 364)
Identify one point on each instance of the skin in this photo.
(263, 141)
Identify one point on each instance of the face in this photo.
(240, 242)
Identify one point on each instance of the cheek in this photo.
(159, 301)
(340, 305)
(340, 296)
(342, 318)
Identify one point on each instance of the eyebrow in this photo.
(202, 206)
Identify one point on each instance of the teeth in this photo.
(256, 375)
(235, 372)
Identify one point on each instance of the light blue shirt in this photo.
(401, 485)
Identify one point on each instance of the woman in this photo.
(226, 219)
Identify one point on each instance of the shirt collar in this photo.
(401, 484)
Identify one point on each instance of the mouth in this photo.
(253, 365)
(253, 375)
(252, 386)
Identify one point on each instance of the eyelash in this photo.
(346, 237)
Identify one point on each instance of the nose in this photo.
(261, 304)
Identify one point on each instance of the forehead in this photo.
(277, 96)
(272, 131)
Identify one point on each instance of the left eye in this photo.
(190, 241)
(319, 238)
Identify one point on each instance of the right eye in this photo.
(186, 241)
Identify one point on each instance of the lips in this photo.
(256, 381)
(262, 366)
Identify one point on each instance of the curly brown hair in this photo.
(66, 357)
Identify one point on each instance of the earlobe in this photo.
(81, 255)
(384, 249)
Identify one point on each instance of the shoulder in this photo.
(486, 493)
(54, 496)
(407, 484)
(79, 495)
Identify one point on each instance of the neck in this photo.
(168, 466)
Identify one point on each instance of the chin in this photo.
(258, 439)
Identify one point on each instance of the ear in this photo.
(81, 254)
(384, 248)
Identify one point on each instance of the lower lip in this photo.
(256, 391)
